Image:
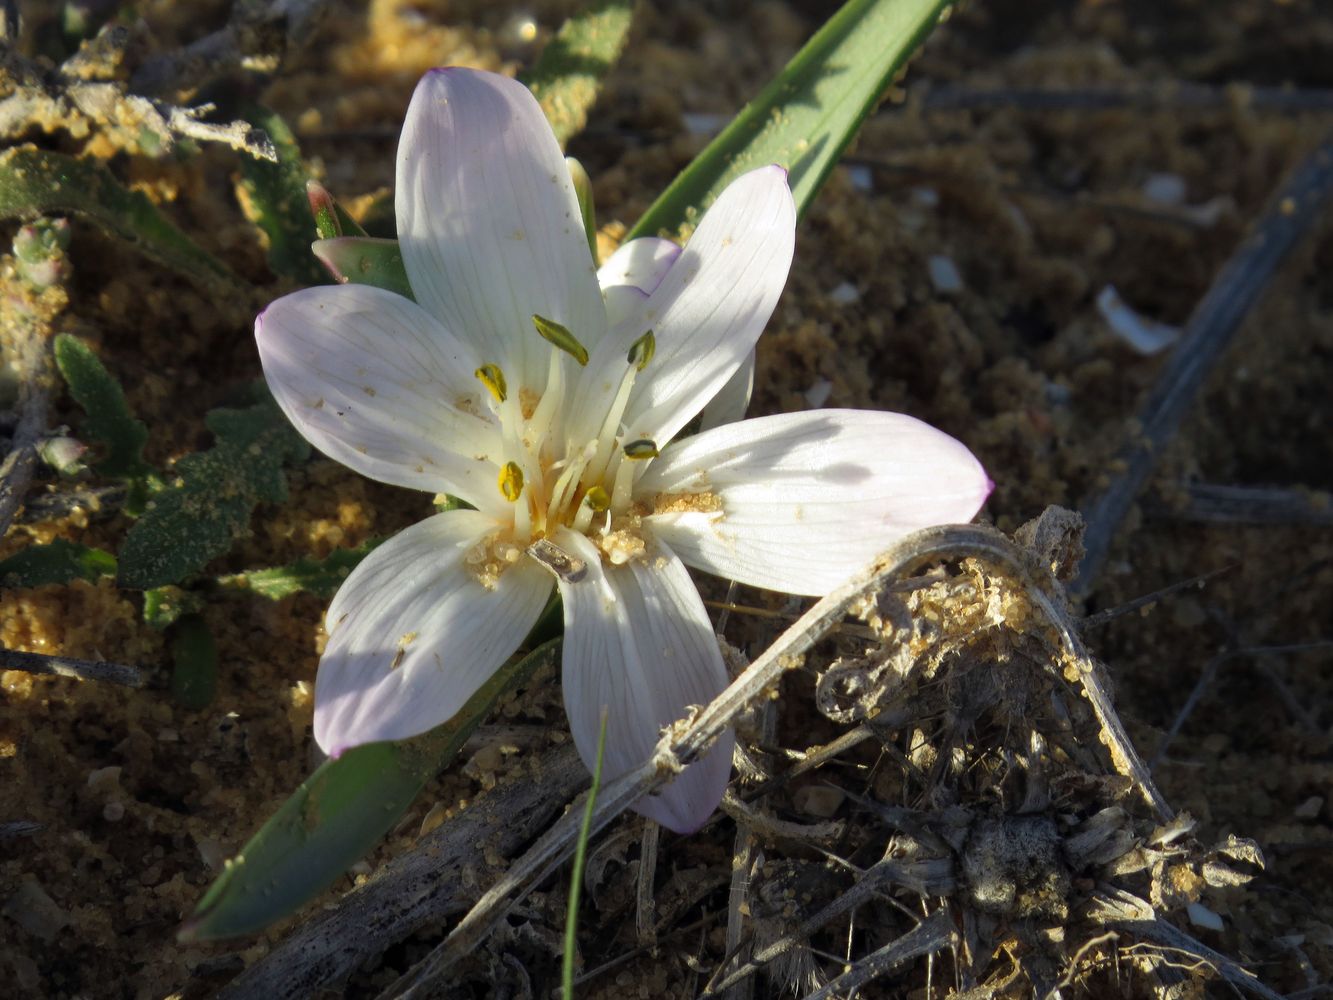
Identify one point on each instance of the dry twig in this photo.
(1214, 503)
(65, 666)
(256, 38)
(78, 98)
(1235, 290)
(1171, 95)
(419, 888)
(932, 935)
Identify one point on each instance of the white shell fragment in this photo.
(703, 122)
(818, 393)
(861, 176)
(944, 274)
(1144, 335)
(1201, 916)
(845, 294)
(1165, 189)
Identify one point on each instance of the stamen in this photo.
(511, 481)
(566, 485)
(597, 499)
(551, 402)
(568, 568)
(641, 449)
(494, 380)
(622, 485)
(606, 437)
(560, 336)
(642, 351)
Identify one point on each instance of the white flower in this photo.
(482, 389)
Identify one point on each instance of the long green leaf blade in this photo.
(808, 113)
(35, 182)
(338, 815)
(570, 70)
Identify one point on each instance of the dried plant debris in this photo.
(87, 94)
(976, 836)
(965, 822)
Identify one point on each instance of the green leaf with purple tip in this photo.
(364, 260)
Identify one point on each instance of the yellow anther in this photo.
(598, 499)
(641, 449)
(560, 336)
(494, 380)
(511, 481)
(642, 350)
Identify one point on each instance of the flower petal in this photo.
(413, 634)
(799, 502)
(715, 301)
(624, 307)
(489, 225)
(639, 644)
(642, 263)
(732, 400)
(374, 382)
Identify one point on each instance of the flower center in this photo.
(551, 478)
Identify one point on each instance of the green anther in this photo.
(642, 351)
(494, 380)
(511, 481)
(641, 449)
(561, 337)
(598, 499)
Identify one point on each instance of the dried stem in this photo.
(1120, 909)
(933, 934)
(686, 741)
(70, 97)
(65, 666)
(1235, 290)
(644, 923)
(25, 349)
(96, 501)
(421, 887)
(1214, 503)
(1170, 96)
(257, 37)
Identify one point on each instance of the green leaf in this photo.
(163, 606)
(194, 655)
(34, 182)
(331, 219)
(59, 561)
(569, 72)
(109, 419)
(364, 260)
(273, 197)
(338, 814)
(321, 577)
(587, 209)
(805, 117)
(210, 496)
